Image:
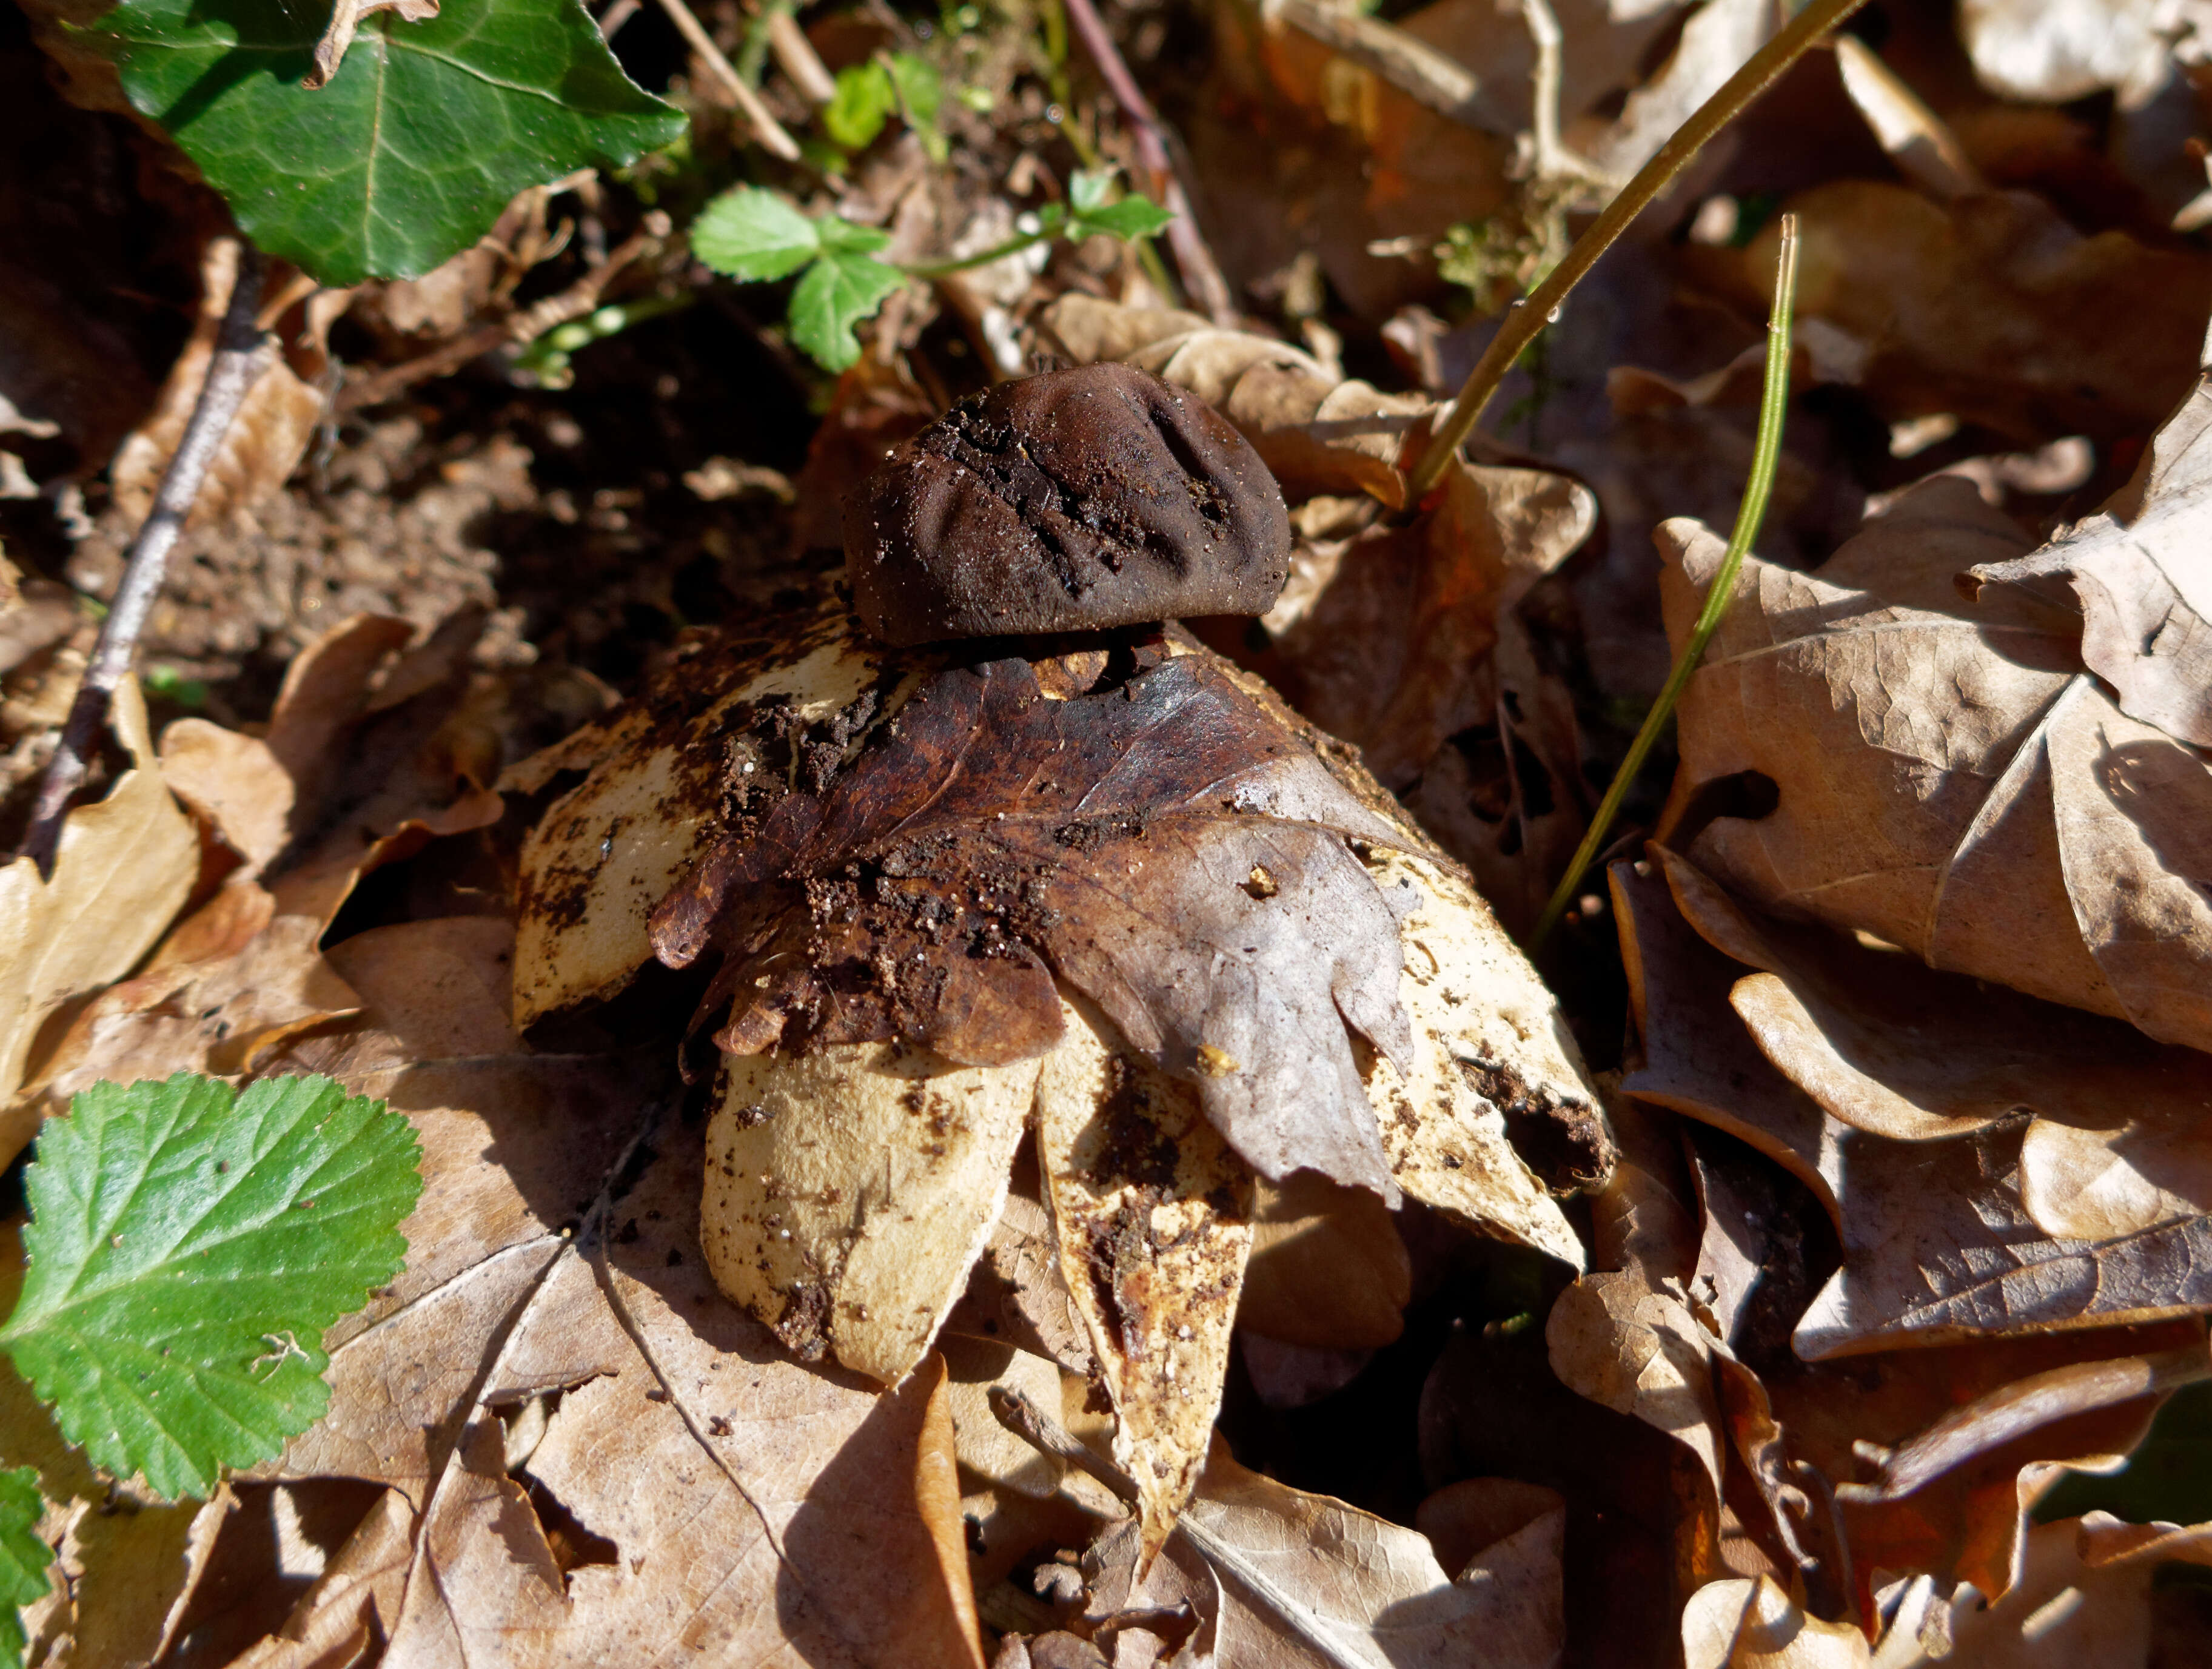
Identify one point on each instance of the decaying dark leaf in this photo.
(990, 828)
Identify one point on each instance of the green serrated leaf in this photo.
(188, 1247)
(1134, 217)
(420, 140)
(840, 289)
(753, 235)
(23, 1556)
(861, 105)
(841, 237)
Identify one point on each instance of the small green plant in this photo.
(188, 1247)
(890, 84)
(419, 139)
(754, 234)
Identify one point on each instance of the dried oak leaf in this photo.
(2141, 573)
(1950, 779)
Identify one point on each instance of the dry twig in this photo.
(766, 129)
(1201, 274)
(1760, 71)
(242, 352)
(527, 326)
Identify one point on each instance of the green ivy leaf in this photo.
(863, 102)
(753, 235)
(420, 140)
(845, 286)
(23, 1556)
(188, 1247)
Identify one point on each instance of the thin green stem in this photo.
(1013, 246)
(1758, 72)
(1766, 452)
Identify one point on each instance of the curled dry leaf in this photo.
(1116, 891)
(1282, 1578)
(2042, 1188)
(345, 19)
(1950, 779)
(125, 866)
(2141, 576)
(1743, 1622)
(1974, 306)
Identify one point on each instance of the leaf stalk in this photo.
(1766, 454)
(1528, 317)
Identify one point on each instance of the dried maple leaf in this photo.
(1950, 779)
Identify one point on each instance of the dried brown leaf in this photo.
(1950, 780)
(1740, 1622)
(1974, 308)
(2138, 571)
(1152, 1213)
(123, 867)
(2084, 1596)
(1328, 1269)
(605, 1457)
(264, 441)
(1939, 1243)
(1632, 1347)
(1304, 1581)
(345, 19)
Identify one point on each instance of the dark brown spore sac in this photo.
(1091, 497)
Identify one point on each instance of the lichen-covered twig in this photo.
(1201, 274)
(242, 352)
